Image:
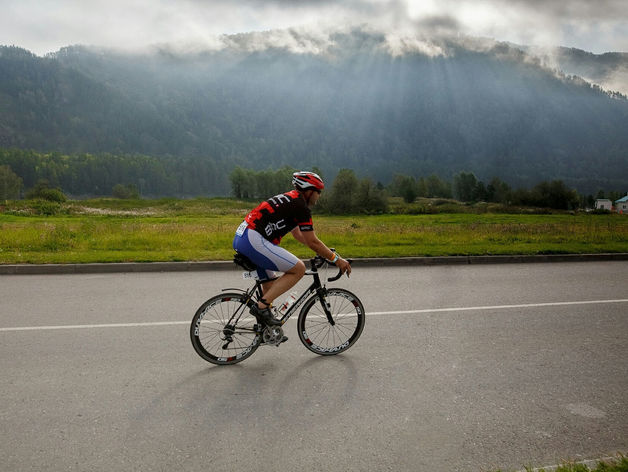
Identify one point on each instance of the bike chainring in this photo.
(272, 335)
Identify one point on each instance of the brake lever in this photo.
(337, 276)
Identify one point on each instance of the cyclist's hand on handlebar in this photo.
(344, 266)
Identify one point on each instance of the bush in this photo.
(125, 192)
(42, 191)
(46, 207)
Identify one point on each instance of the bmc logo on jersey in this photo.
(270, 227)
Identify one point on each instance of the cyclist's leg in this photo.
(270, 257)
(284, 283)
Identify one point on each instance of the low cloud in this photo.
(47, 25)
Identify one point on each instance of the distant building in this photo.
(621, 205)
(603, 204)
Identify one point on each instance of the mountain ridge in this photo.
(416, 107)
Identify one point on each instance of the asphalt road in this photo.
(460, 368)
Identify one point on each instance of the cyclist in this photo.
(260, 233)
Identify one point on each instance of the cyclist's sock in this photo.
(263, 300)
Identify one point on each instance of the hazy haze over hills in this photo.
(375, 102)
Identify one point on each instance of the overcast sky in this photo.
(44, 26)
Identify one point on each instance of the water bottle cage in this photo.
(287, 304)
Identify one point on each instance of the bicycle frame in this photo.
(255, 293)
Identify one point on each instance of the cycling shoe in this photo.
(265, 316)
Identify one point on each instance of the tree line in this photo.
(350, 194)
(347, 193)
(84, 174)
(28, 173)
(466, 187)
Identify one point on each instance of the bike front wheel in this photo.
(223, 331)
(334, 327)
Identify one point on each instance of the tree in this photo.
(282, 179)
(498, 191)
(126, 192)
(554, 194)
(436, 187)
(10, 184)
(405, 186)
(240, 182)
(479, 192)
(465, 184)
(421, 187)
(340, 199)
(367, 198)
(587, 201)
(615, 195)
(247, 183)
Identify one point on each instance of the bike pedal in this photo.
(283, 340)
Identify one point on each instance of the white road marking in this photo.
(497, 307)
(377, 313)
(96, 326)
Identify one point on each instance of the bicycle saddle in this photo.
(244, 262)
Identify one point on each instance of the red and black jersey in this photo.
(279, 215)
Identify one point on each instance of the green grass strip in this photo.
(203, 230)
(620, 464)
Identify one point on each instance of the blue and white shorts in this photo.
(267, 256)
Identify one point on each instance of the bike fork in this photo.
(326, 306)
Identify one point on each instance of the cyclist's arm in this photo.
(298, 235)
(310, 240)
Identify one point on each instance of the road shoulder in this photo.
(29, 269)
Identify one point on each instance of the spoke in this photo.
(211, 330)
(326, 337)
(209, 338)
(316, 330)
(346, 321)
(221, 315)
(345, 330)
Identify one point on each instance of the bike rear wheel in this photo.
(325, 337)
(215, 339)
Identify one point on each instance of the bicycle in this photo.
(223, 331)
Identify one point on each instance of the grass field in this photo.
(617, 464)
(110, 230)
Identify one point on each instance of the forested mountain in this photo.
(356, 100)
(609, 70)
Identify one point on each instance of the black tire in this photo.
(207, 330)
(319, 335)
